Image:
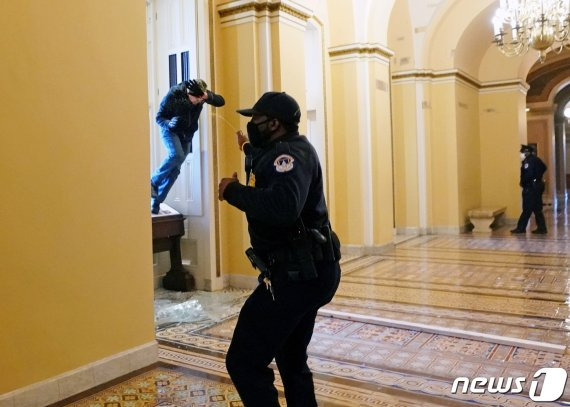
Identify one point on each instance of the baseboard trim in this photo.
(408, 231)
(81, 379)
(243, 281)
(445, 230)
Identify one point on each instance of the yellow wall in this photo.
(468, 150)
(501, 135)
(363, 152)
(443, 160)
(382, 191)
(348, 182)
(406, 199)
(238, 81)
(76, 243)
(288, 75)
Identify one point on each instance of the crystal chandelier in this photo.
(538, 24)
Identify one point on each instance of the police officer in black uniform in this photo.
(294, 249)
(532, 170)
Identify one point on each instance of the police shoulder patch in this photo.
(283, 163)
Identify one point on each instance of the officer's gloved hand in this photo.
(174, 122)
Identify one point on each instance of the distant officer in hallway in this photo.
(294, 249)
(532, 170)
(178, 120)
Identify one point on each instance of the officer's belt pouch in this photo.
(302, 267)
(331, 248)
(296, 260)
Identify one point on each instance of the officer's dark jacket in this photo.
(288, 184)
(532, 169)
(176, 103)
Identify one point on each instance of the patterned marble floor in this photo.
(463, 305)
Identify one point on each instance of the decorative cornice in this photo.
(260, 7)
(436, 76)
(503, 84)
(457, 75)
(536, 113)
(361, 50)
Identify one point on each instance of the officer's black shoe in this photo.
(516, 231)
(154, 210)
(540, 231)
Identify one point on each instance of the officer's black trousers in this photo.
(532, 202)
(279, 329)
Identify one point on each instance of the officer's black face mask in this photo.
(257, 138)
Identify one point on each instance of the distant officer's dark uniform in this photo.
(287, 217)
(532, 170)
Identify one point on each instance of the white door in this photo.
(173, 44)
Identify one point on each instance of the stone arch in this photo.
(562, 85)
(446, 29)
(401, 36)
(379, 16)
(359, 21)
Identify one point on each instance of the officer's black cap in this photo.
(278, 105)
(526, 149)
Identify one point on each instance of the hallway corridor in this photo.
(403, 325)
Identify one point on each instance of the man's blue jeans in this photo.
(164, 177)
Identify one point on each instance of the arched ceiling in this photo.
(453, 19)
(544, 79)
(359, 21)
(401, 37)
(475, 41)
(433, 35)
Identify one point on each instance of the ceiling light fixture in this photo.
(538, 24)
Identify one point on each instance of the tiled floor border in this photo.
(504, 340)
(329, 391)
(330, 374)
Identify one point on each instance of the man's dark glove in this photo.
(174, 122)
(196, 87)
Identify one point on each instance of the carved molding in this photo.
(360, 51)
(457, 75)
(260, 7)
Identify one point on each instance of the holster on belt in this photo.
(330, 247)
(302, 264)
(305, 248)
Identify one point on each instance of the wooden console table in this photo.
(167, 229)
